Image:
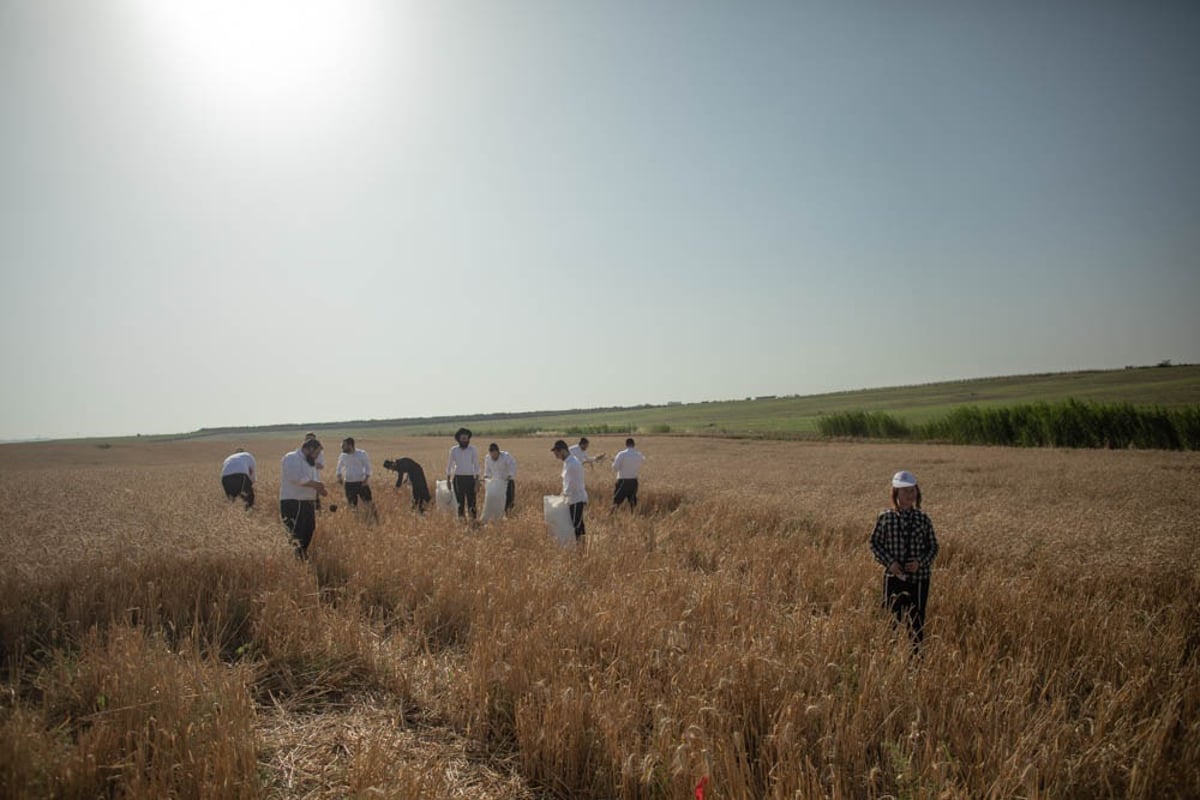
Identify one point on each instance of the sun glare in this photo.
(255, 60)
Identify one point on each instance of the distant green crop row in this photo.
(1069, 423)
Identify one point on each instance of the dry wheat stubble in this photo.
(752, 565)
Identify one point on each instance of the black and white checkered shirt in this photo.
(905, 536)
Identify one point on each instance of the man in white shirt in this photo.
(353, 471)
(237, 477)
(573, 487)
(299, 488)
(462, 470)
(500, 465)
(580, 452)
(320, 464)
(627, 464)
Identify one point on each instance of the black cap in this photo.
(560, 445)
(493, 446)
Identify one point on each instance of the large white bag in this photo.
(494, 492)
(446, 501)
(558, 519)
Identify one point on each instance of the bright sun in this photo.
(290, 60)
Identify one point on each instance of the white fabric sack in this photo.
(494, 492)
(558, 519)
(446, 501)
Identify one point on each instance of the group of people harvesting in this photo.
(301, 487)
(903, 540)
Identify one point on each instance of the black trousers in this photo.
(420, 491)
(355, 490)
(464, 493)
(626, 489)
(510, 495)
(300, 519)
(239, 485)
(907, 600)
(577, 518)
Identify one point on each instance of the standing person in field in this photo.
(238, 474)
(500, 465)
(462, 471)
(573, 486)
(320, 464)
(580, 452)
(416, 480)
(299, 488)
(904, 543)
(353, 471)
(627, 464)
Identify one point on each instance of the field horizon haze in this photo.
(1165, 384)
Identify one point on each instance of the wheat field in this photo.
(161, 642)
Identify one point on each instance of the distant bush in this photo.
(1069, 423)
(515, 430)
(863, 425)
(599, 429)
(1187, 424)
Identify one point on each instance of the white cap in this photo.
(903, 478)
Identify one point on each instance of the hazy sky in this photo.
(238, 212)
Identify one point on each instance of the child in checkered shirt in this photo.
(904, 543)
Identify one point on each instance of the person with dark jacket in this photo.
(416, 479)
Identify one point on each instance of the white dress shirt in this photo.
(581, 454)
(628, 463)
(295, 471)
(572, 477)
(239, 464)
(463, 461)
(503, 468)
(353, 467)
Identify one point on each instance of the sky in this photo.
(244, 212)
